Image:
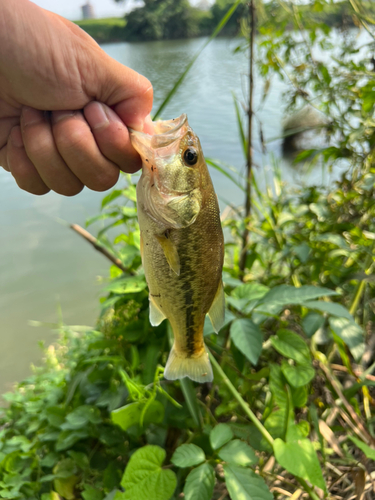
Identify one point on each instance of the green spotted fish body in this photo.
(182, 243)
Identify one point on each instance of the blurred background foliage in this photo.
(171, 19)
(290, 413)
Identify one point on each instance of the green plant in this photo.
(291, 409)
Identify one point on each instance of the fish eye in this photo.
(190, 156)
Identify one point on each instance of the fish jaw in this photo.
(163, 144)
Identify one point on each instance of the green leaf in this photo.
(250, 291)
(333, 239)
(65, 487)
(220, 435)
(190, 396)
(49, 460)
(277, 385)
(238, 452)
(20, 442)
(302, 251)
(55, 415)
(299, 396)
(300, 459)
(292, 346)
(224, 170)
(248, 338)
(144, 477)
(81, 459)
(286, 294)
(67, 438)
(351, 333)
(188, 455)
(104, 216)
(81, 417)
(297, 431)
(200, 483)
(50, 496)
(320, 210)
(131, 284)
(367, 450)
(131, 414)
(332, 308)
(111, 196)
(298, 375)
(244, 484)
(277, 423)
(91, 493)
(240, 127)
(312, 322)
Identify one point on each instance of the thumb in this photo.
(127, 92)
(105, 80)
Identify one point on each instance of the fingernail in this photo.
(58, 116)
(31, 116)
(16, 137)
(96, 116)
(99, 115)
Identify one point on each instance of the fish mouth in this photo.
(167, 132)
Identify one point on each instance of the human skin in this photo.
(65, 105)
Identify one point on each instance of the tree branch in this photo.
(100, 248)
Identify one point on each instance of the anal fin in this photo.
(196, 368)
(170, 252)
(217, 309)
(156, 315)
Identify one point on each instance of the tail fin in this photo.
(198, 369)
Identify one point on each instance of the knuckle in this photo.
(39, 191)
(71, 140)
(69, 191)
(31, 185)
(39, 148)
(105, 180)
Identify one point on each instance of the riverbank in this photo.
(186, 21)
(106, 30)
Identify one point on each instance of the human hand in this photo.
(65, 105)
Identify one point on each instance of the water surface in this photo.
(44, 264)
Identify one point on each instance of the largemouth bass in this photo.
(182, 244)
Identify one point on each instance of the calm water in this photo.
(44, 264)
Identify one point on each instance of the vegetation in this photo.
(170, 19)
(291, 411)
(109, 29)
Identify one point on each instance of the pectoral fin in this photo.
(217, 309)
(186, 208)
(170, 252)
(156, 315)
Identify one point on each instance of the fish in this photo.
(182, 243)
